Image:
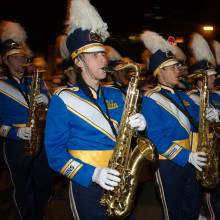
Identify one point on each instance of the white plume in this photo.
(12, 30)
(112, 54)
(201, 49)
(216, 47)
(85, 16)
(178, 53)
(154, 42)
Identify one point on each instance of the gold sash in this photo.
(99, 158)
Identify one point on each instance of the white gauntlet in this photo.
(42, 99)
(24, 133)
(198, 159)
(212, 114)
(137, 121)
(107, 178)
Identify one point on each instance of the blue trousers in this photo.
(212, 203)
(85, 204)
(31, 178)
(180, 192)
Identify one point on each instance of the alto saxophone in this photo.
(36, 118)
(208, 141)
(119, 202)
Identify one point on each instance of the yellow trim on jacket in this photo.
(183, 143)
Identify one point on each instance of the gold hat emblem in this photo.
(95, 37)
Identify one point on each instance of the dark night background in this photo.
(43, 20)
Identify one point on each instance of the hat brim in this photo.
(211, 72)
(90, 48)
(167, 63)
(13, 52)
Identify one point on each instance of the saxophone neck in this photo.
(134, 66)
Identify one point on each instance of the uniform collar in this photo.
(95, 94)
(167, 88)
(17, 79)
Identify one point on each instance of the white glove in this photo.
(137, 121)
(42, 99)
(107, 178)
(24, 133)
(212, 114)
(197, 159)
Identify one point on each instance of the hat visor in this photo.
(90, 48)
(211, 72)
(95, 49)
(166, 63)
(13, 52)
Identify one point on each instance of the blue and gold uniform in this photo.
(162, 115)
(30, 175)
(14, 106)
(170, 130)
(78, 136)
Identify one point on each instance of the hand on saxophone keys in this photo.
(41, 99)
(107, 178)
(24, 133)
(137, 121)
(198, 160)
(212, 114)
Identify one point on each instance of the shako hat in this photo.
(160, 49)
(85, 29)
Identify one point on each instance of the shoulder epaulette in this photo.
(151, 91)
(193, 91)
(65, 88)
(112, 86)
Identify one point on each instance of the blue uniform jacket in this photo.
(78, 137)
(167, 127)
(214, 98)
(14, 108)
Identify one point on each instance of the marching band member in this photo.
(82, 120)
(171, 117)
(205, 61)
(30, 175)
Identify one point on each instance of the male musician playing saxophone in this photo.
(82, 120)
(30, 175)
(171, 116)
(206, 63)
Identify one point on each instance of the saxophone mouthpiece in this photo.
(26, 64)
(108, 69)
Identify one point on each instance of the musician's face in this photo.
(95, 62)
(15, 63)
(169, 75)
(91, 65)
